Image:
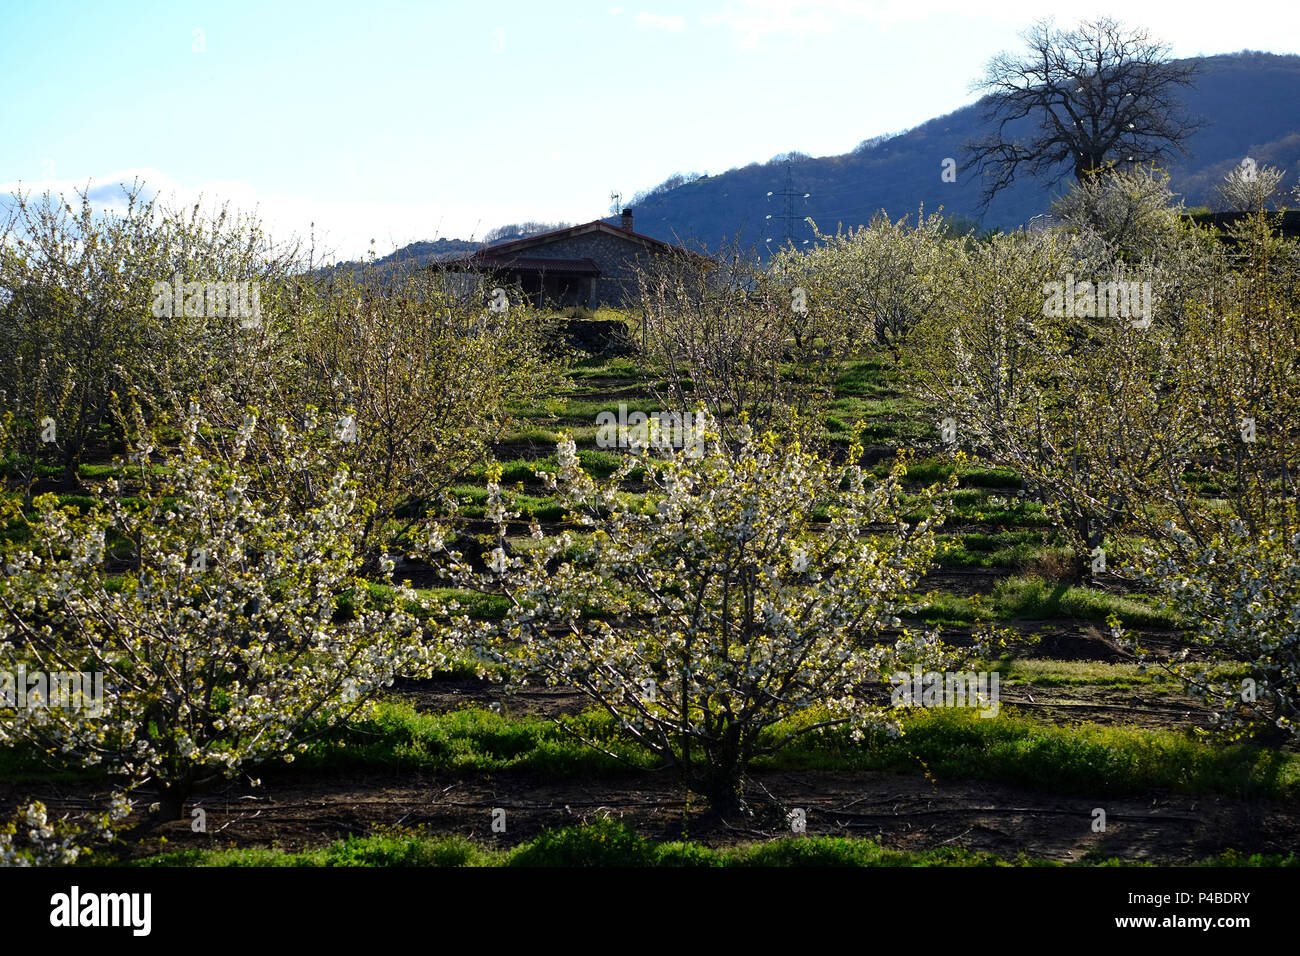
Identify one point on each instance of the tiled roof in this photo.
(597, 225)
(514, 253)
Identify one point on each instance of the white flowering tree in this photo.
(1213, 436)
(77, 316)
(1133, 210)
(32, 838)
(735, 337)
(417, 382)
(224, 629)
(875, 283)
(1249, 187)
(753, 585)
(1242, 591)
(992, 363)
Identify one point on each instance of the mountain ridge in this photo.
(1251, 102)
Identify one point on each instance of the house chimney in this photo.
(627, 220)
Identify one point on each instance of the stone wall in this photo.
(616, 258)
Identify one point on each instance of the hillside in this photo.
(1250, 102)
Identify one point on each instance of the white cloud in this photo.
(653, 21)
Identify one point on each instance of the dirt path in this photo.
(1060, 705)
(900, 811)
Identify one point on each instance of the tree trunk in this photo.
(70, 480)
(171, 799)
(720, 778)
(1082, 551)
(722, 785)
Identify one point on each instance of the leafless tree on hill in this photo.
(1103, 95)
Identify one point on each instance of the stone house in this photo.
(589, 265)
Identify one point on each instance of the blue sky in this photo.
(393, 121)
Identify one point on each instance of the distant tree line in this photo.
(682, 179)
(521, 230)
(669, 184)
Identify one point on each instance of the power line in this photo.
(788, 195)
